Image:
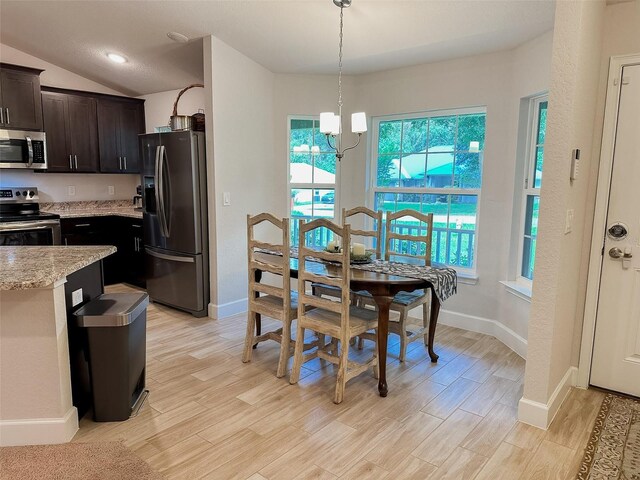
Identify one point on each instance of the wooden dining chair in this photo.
(404, 242)
(336, 319)
(376, 233)
(279, 303)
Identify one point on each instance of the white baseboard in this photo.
(487, 326)
(227, 309)
(39, 431)
(540, 414)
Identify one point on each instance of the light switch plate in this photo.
(226, 199)
(76, 297)
(112, 190)
(71, 190)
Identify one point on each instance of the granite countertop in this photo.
(25, 267)
(120, 208)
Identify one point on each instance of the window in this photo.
(313, 174)
(532, 184)
(432, 162)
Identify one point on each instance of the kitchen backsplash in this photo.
(56, 187)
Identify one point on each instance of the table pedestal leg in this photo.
(383, 334)
(433, 320)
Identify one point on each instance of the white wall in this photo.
(559, 259)
(243, 161)
(159, 106)
(53, 187)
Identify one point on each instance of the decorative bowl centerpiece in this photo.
(359, 254)
(362, 258)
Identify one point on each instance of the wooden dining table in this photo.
(382, 287)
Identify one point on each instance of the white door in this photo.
(616, 353)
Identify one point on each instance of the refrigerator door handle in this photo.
(172, 258)
(167, 221)
(158, 191)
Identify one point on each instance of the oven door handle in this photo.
(32, 225)
(29, 150)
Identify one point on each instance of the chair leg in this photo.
(285, 348)
(297, 355)
(403, 334)
(342, 371)
(248, 339)
(360, 342)
(425, 320)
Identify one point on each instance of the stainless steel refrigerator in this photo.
(174, 200)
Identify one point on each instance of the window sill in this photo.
(467, 278)
(520, 291)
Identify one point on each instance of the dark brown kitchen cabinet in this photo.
(119, 124)
(72, 132)
(20, 103)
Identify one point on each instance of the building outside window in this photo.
(432, 162)
(313, 172)
(531, 191)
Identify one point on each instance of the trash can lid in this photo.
(112, 310)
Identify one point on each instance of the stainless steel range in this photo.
(22, 222)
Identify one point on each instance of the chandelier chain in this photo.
(340, 59)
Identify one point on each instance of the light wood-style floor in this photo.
(211, 416)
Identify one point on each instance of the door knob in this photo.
(615, 252)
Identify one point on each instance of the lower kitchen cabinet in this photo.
(127, 264)
(132, 252)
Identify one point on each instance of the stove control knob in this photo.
(31, 193)
(17, 193)
(24, 193)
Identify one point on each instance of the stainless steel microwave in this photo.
(23, 149)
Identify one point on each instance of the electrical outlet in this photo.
(71, 190)
(226, 199)
(568, 226)
(112, 190)
(76, 297)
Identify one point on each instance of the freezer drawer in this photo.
(177, 279)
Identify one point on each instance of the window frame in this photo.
(313, 186)
(528, 182)
(372, 162)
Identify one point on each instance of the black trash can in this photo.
(116, 326)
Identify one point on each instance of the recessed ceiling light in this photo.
(178, 37)
(114, 57)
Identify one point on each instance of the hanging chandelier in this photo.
(330, 123)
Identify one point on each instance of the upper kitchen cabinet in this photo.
(20, 103)
(71, 127)
(120, 121)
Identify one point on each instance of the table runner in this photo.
(443, 279)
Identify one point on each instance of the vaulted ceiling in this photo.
(284, 36)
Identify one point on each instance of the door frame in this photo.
(607, 149)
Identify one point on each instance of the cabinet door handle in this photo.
(83, 224)
(8, 120)
(70, 163)
(125, 162)
(1, 116)
(66, 242)
(75, 160)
